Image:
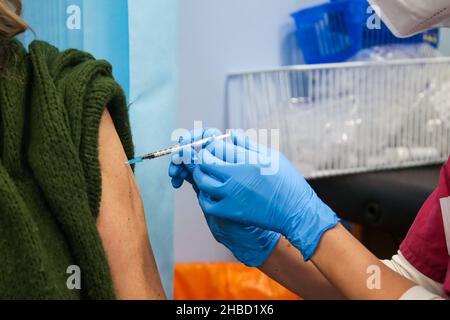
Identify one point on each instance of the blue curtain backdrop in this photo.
(153, 47)
(138, 38)
(97, 26)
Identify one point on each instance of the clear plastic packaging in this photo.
(397, 52)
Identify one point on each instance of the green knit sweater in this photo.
(51, 105)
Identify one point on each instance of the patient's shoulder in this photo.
(61, 64)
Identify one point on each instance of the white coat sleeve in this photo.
(426, 289)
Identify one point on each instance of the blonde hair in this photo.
(11, 24)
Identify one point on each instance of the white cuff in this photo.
(419, 293)
(400, 265)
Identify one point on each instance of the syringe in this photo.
(176, 149)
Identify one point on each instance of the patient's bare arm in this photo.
(122, 224)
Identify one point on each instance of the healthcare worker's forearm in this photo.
(354, 271)
(286, 266)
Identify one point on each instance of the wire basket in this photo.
(353, 117)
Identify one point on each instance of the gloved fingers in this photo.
(208, 184)
(208, 204)
(184, 174)
(194, 186)
(207, 158)
(234, 154)
(178, 175)
(213, 222)
(238, 138)
(211, 132)
(177, 165)
(257, 153)
(177, 159)
(221, 224)
(188, 157)
(214, 166)
(177, 183)
(182, 167)
(175, 170)
(228, 152)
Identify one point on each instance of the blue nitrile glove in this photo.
(250, 245)
(265, 191)
(183, 164)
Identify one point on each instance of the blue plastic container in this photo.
(335, 31)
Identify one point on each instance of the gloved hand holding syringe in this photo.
(178, 148)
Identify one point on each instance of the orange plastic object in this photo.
(226, 281)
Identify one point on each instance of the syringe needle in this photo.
(175, 149)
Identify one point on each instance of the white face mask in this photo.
(409, 17)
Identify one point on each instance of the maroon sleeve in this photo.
(425, 245)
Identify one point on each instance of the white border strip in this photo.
(445, 208)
